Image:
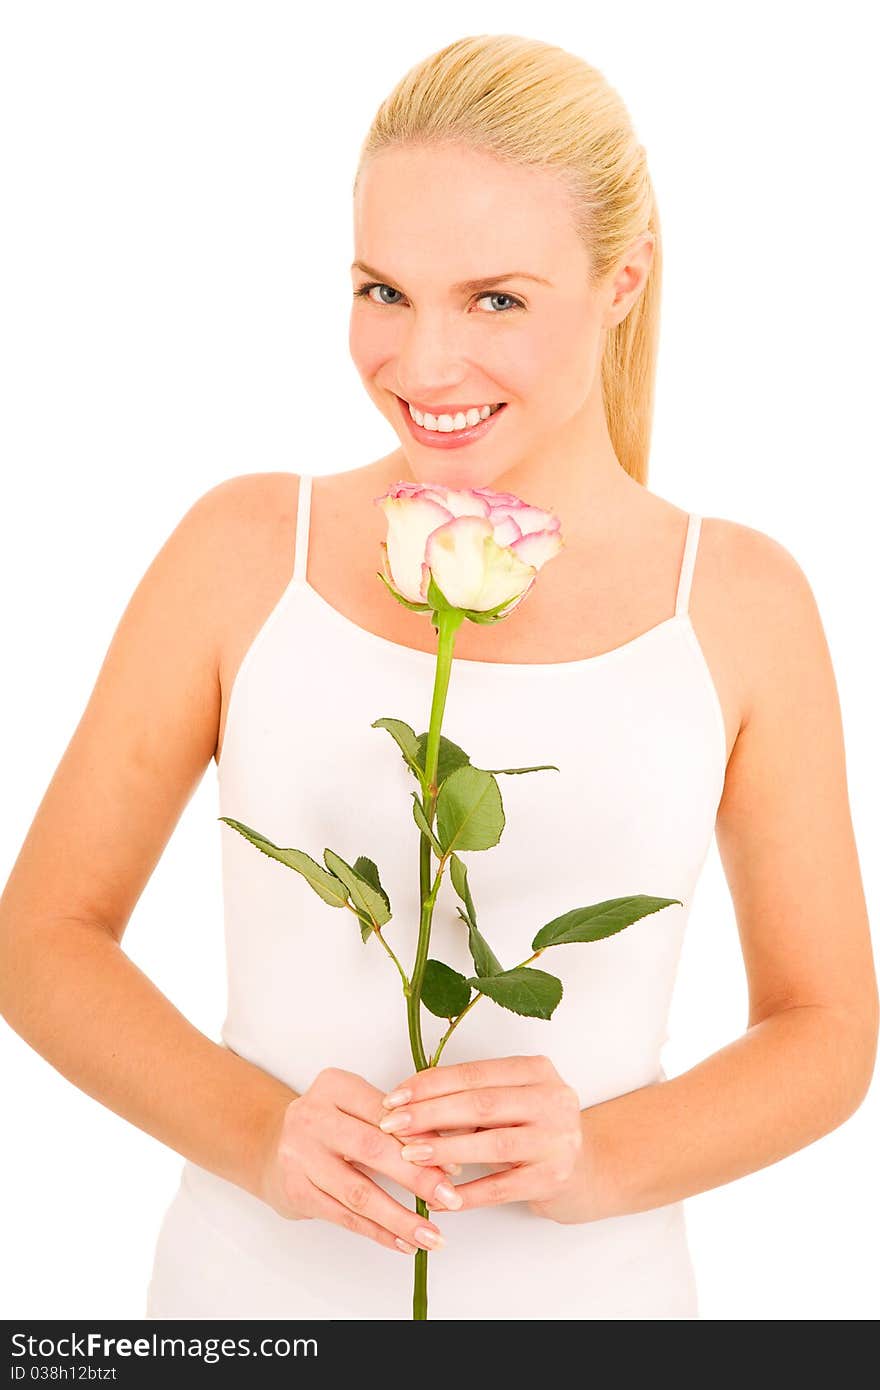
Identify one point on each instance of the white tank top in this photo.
(638, 735)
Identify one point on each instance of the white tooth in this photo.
(462, 419)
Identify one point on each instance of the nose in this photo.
(430, 365)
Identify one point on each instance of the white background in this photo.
(175, 243)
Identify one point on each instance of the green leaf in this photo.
(366, 925)
(449, 757)
(367, 869)
(421, 821)
(327, 886)
(599, 919)
(485, 962)
(470, 814)
(365, 897)
(444, 991)
(404, 737)
(508, 771)
(415, 747)
(523, 990)
(458, 874)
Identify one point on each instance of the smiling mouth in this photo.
(447, 431)
(451, 410)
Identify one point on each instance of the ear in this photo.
(629, 279)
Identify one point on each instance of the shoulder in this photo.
(241, 533)
(229, 543)
(245, 529)
(228, 554)
(755, 567)
(757, 556)
(771, 613)
(244, 507)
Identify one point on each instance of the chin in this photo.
(447, 472)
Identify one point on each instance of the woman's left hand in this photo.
(515, 1115)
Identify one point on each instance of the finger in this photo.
(353, 1094)
(487, 1108)
(443, 1197)
(428, 1138)
(366, 1205)
(328, 1208)
(357, 1140)
(516, 1144)
(437, 1192)
(464, 1076)
(492, 1167)
(511, 1185)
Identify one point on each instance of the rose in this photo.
(483, 548)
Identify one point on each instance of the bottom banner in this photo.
(136, 1352)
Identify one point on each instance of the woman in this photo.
(507, 255)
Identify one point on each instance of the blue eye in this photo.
(363, 292)
(501, 294)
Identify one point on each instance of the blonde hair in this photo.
(532, 103)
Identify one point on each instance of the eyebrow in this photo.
(479, 284)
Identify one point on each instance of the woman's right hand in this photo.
(320, 1150)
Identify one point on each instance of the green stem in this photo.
(448, 622)
(377, 931)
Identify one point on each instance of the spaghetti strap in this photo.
(687, 564)
(303, 510)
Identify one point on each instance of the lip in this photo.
(448, 409)
(448, 439)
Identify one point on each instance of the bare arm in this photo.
(74, 995)
(135, 759)
(786, 841)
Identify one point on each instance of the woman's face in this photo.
(429, 219)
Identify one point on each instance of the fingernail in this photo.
(415, 1153)
(392, 1123)
(402, 1245)
(452, 1168)
(446, 1193)
(425, 1236)
(397, 1098)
